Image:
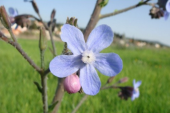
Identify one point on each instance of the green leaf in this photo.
(103, 3)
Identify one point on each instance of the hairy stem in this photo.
(51, 35)
(12, 35)
(44, 84)
(52, 41)
(44, 93)
(58, 94)
(123, 10)
(93, 20)
(21, 51)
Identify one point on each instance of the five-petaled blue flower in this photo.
(135, 93)
(86, 57)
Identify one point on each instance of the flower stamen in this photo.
(88, 57)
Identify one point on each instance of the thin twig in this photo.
(21, 51)
(80, 103)
(51, 35)
(12, 35)
(123, 10)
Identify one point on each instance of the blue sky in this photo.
(134, 23)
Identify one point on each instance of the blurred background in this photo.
(142, 43)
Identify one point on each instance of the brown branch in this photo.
(123, 10)
(51, 35)
(58, 94)
(93, 20)
(21, 51)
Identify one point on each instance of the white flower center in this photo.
(136, 89)
(88, 57)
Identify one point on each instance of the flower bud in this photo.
(72, 21)
(53, 14)
(110, 79)
(125, 92)
(123, 80)
(156, 12)
(72, 83)
(43, 39)
(4, 17)
(35, 6)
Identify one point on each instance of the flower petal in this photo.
(135, 95)
(89, 80)
(74, 38)
(109, 64)
(168, 6)
(136, 84)
(166, 15)
(65, 65)
(100, 38)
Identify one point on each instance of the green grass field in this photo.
(18, 94)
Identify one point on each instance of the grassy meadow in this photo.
(18, 94)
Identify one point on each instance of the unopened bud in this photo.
(4, 17)
(156, 12)
(110, 79)
(72, 21)
(125, 79)
(43, 39)
(75, 22)
(53, 14)
(35, 6)
(125, 92)
(72, 83)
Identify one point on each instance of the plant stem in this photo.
(93, 20)
(51, 35)
(123, 10)
(58, 94)
(44, 83)
(44, 93)
(12, 35)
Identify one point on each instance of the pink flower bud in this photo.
(72, 83)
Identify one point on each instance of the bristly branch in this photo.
(51, 35)
(123, 10)
(21, 51)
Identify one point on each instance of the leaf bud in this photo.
(42, 39)
(4, 17)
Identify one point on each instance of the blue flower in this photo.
(86, 57)
(135, 93)
(13, 13)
